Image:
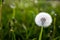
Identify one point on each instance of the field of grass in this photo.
(17, 20)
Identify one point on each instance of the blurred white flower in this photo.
(13, 5)
(43, 19)
(36, 1)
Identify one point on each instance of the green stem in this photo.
(54, 22)
(54, 28)
(13, 12)
(40, 36)
(13, 34)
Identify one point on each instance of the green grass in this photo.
(23, 23)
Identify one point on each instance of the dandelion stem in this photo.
(40, 36)
(13, 34)
(54, 26)
(54, 22)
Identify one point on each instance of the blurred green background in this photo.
(18, 19)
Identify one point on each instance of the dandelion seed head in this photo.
(43, 19)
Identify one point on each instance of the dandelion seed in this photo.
(55, 14)
(43, 19)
